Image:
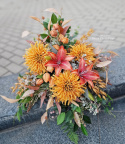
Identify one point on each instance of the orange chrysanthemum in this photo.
(35, 58)
(83, 50)
(67, 87)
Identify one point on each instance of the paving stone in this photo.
(14, 68)
(9, 48)
(19, 52)
(1, 50)
(6, 54)
(2, 71)
(8, 74)
(4, 62)
(112, 130)
(17, 59)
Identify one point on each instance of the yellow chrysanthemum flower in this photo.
(83, 50)
(35, 58)
(67, 87)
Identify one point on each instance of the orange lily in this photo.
(60, 60)
(85, 73)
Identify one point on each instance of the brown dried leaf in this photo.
(58, 107)
(73, 102)
(25, 33)
(50, 103)
(43, 117)
(49, 24)
(27, 93)
(65, 22)
(114, 53)
(97, 50)
(77, 119)
(65, 30)
(10, 100)
(103, 64)
(32, 87)
(106, 77)
(35, 18)
(51, 10)
(43, 96)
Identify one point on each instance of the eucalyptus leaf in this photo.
(87, 119)
(54, 18)
(84, 130)
(69, 116)
(45, 24)
(60, 118)
(43, 35)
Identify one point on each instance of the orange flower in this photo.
(35, 58)
(67, 87)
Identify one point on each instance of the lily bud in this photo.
(39, 82)
(56, 47)
(46, 77)
(48, 57)
(56, 26)
(65, 40)
(50, 69)
(51, 83)
(53, 33)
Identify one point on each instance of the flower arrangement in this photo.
(63, 72)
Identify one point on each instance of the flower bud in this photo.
(48, 57)
(39, 82)
(65, 40)
(51, 83)
(46, 77)
(53, 33)
(56, 47)
(50, 69)
(56, 26)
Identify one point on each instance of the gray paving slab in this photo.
(37, 133)
(112, 130)
(105, 17)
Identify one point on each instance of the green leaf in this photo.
(54, 18)
(20, 76)
(39, 76)
(60, 118)
(84, 130)
(78, 109)
(20, 111)
(73, 107)
(43, 35)
(106, 109)
(109, 104)
(45, 24)
(17, 97)
(24, 107)
(87, 119)
(69, 116)
(75, 127)
(109, 97)
(18, 116)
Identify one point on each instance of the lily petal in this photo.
(66, 65)
(58, 70)
(91, 75)
(53, 55)
(91, 83)
(89, 68)
(52, 63)
(82, 65)
(65, 30)
(69, 57)
(61, 53)
(82, 81)
(75, 71)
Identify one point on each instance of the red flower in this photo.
(85, 73)
(60, 60)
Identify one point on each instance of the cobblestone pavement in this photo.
(106, 17)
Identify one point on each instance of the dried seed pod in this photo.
(39, 82)
(46, 77)
(50, 69)
(56, 26)
(56, 47)
(53, 33)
